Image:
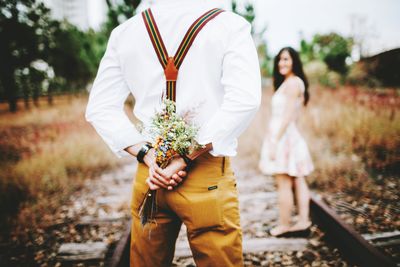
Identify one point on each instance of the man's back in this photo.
(207, 74)
(220, 77)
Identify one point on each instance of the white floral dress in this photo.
(292, 154)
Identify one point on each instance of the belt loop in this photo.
(223, 166)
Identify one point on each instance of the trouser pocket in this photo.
(205, 209)
(212, 205)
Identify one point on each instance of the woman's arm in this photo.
(292, 92)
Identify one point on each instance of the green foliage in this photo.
(334, 49)
(18, 46)
(360, 75)
(117, 14)
(262, 48)
(29, 35)
(72, 56)
(331, 48)
(266, 62)
(317, 71)
(307, 53)
(248, 13)
(69, 57)
(331, 79)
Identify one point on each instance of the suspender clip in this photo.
(170, 71)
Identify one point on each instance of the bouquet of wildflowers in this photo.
(172, 135)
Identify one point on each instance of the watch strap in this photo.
(143, 151)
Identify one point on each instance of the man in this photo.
(220, 78)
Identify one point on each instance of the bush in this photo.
(331, 79)
(317, 72)
(358, 75)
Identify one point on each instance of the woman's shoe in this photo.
(284, 234)
(304, 232)
(300, 233)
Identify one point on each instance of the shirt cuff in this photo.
(126, 139)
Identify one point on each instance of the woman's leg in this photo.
(303, 204)
(285, 203)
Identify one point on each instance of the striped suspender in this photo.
(171, 65)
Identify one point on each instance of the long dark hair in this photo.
(297, 69)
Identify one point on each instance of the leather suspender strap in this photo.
(155, 37)
(171, 65)
(191, 34)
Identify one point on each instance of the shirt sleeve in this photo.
(241, 81)
(105, 108)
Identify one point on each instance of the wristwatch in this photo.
(143, 151)
(188, 161)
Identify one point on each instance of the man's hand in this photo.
(159, 178)
(167, 178)
(174, 171)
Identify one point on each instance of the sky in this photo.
(378, 21)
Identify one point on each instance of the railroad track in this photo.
(357, 249)
(352, 245)
(258, 209)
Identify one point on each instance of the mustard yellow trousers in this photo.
(206, 202)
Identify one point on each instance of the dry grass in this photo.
(45, 154)
(353, 135)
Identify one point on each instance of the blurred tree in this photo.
(71, 57)
(30, 80)
(307, 53)
(44, 27)
(264, 59)
(18, 46)
(118, 12)
(248, 13)
(333, 49)
(28, 34)
(262, 48)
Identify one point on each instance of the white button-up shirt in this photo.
(219, 78)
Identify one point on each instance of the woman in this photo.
(285, 154)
